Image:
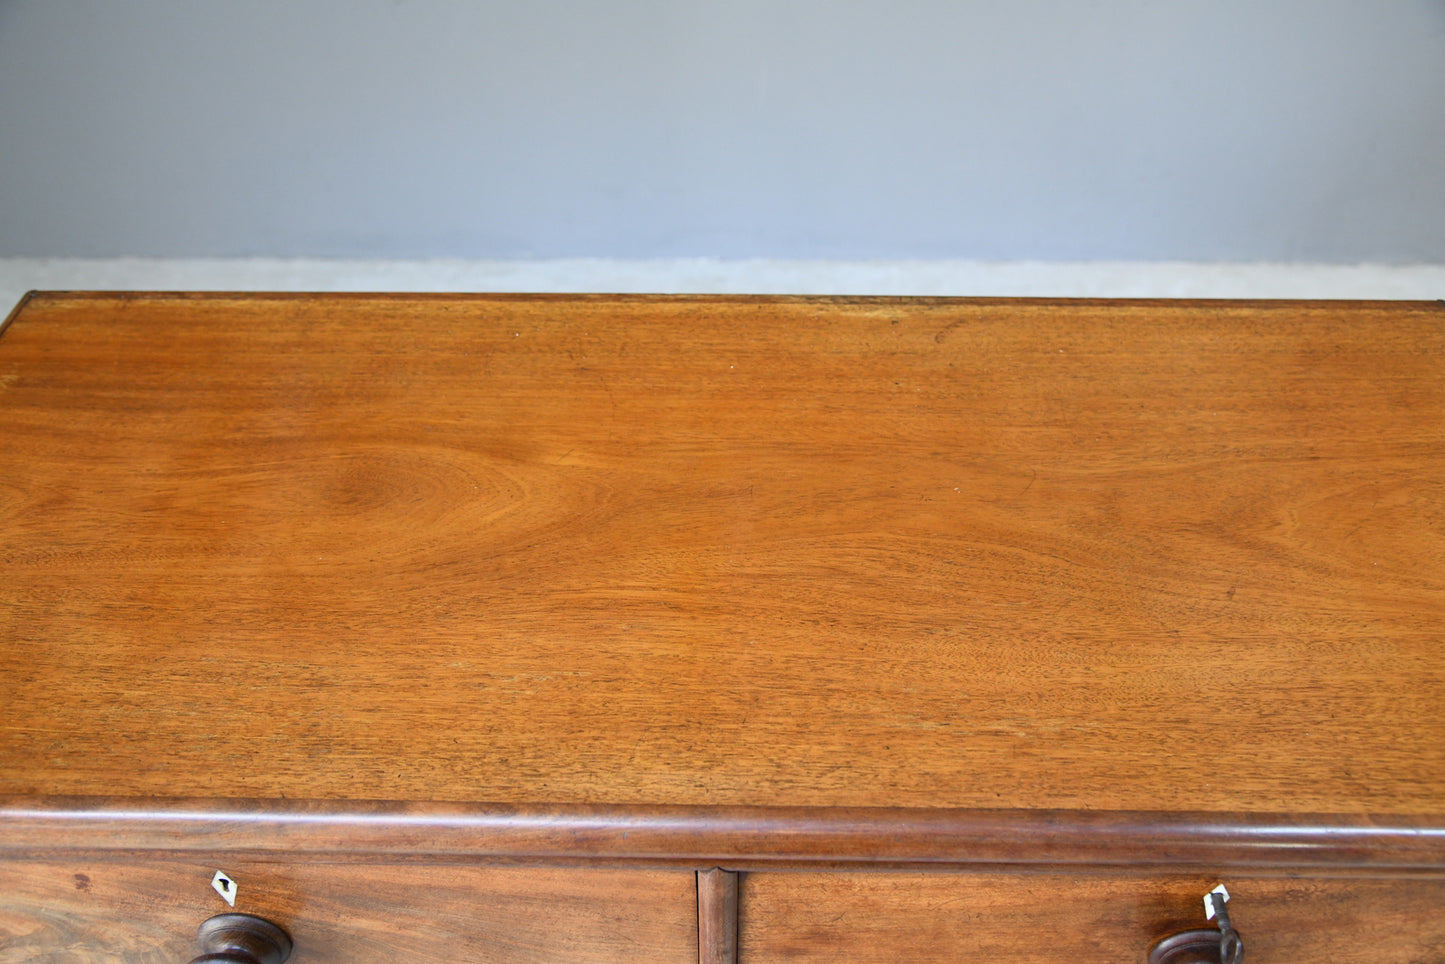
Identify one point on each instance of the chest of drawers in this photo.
(524, 628)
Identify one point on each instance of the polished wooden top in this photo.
(725, 551)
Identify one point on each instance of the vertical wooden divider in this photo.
(717, 917)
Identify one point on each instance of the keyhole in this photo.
(224, 886)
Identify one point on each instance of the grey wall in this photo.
(1232, 130)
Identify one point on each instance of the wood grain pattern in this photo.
(737, 837)
(136, 909)
(717, 916)
(1040, 919)
(828, 552)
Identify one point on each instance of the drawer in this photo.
(1048, 919)
(108, 911)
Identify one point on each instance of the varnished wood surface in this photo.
(142, 910)
(1045, 919)
(902, 553)
(753, 837)
(717, 916)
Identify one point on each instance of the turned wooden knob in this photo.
(1220, 945)
(1197, 947)
(242, 939)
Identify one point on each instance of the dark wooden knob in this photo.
(1221, 945)
(242, 939)
(1204, 946)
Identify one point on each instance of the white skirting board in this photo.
(1124, 279)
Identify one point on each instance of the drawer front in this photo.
(1048, 919)
(146, 911)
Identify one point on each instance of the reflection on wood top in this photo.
(725, 551)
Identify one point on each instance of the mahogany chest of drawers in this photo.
(525, 628)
